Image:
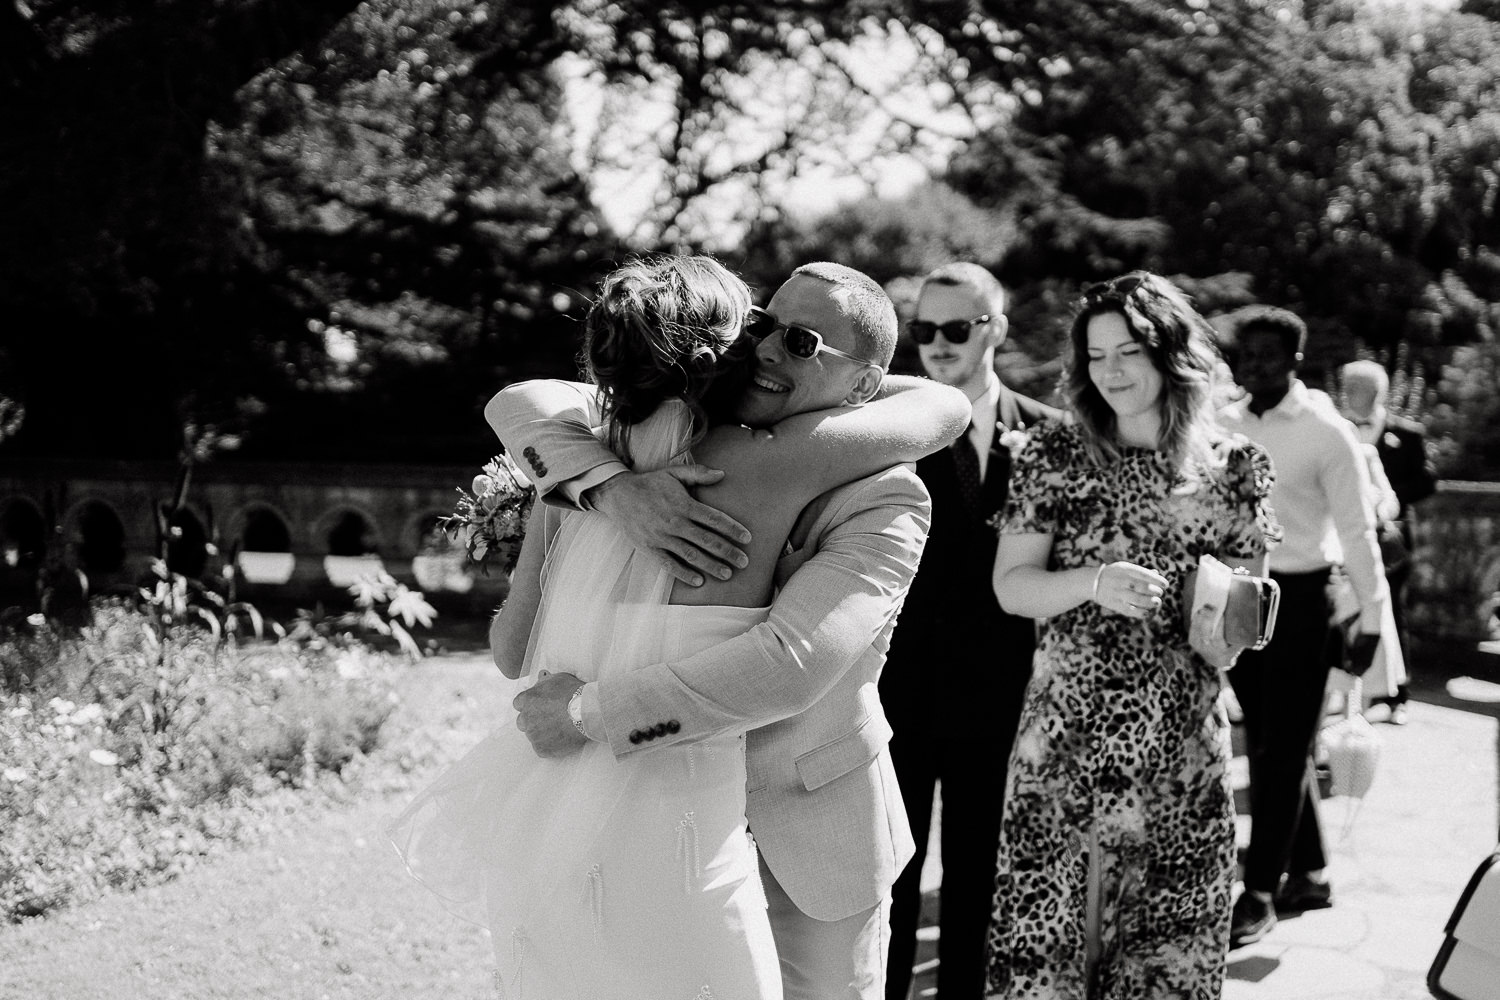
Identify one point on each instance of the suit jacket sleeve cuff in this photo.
(567, 493)
(593, 713)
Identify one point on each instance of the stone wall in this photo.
(339, 520)
(325, 523)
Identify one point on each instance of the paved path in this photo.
(1428, 820)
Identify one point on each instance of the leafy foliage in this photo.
(132, 750)
(348, 210)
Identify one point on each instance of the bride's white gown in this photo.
(605, 879)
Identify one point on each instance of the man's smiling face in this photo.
(783, 386)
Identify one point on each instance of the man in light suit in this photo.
(823, 802)
(958, 665)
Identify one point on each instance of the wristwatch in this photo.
(575, 710)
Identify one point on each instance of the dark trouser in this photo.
(972, 774)
(1281, 692)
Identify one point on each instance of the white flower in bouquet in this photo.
(490, 517)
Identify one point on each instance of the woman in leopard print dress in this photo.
(1117, 848)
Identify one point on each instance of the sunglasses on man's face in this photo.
(1115, 289)
(955, 331)
(798, 341)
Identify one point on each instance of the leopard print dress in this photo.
(1123, 748)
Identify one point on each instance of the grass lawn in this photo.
(321, 909)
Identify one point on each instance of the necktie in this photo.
(966, 464)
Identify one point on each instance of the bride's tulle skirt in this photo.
(601, 878)
(605, 879)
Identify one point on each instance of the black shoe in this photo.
(1398, 715)
(1251, 919)
(1303, 892)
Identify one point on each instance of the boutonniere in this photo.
(1391, 440)
(1014, 439)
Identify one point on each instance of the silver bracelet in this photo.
(1094, 596)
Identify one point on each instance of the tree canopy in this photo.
(364, 216)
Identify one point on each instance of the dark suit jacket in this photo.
(958, 665)
(1403, 455)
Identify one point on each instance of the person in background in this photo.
(1320, 498)
(1117, 847)
(1402, 448)
(958, 665)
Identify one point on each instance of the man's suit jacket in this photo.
(1403, 455)
(959, 664)
(822, 799)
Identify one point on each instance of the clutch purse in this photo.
(1243, 606)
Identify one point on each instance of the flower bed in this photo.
(133, 748)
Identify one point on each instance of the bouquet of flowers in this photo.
(490, 516)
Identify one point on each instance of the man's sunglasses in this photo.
(955, 331)
(798, 341)
(1115, 289)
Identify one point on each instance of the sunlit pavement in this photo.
(1399, 859)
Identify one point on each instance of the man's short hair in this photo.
(1369, 373)
(963, 274)
(870, 310)
(1283, 322)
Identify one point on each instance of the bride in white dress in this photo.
(636, 879)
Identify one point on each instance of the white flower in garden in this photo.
(88, 715)
(36, 620)
(15, 775)
(349, 665)
(108, 758)
(481, 485)
(61, 707)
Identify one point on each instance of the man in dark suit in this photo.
(958, 665)
(1402, 447)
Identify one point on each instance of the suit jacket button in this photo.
(529, 452)
(635, 737)
(541, 468)
(673, 726)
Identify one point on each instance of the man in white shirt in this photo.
(1319, 494)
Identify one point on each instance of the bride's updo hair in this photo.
(664, 327)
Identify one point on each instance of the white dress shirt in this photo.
(982, 423)
(1321, 491)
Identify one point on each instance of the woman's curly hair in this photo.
(1180, 344)
(665, 327)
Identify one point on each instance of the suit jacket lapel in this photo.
(1007, 409)
(996, 472)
